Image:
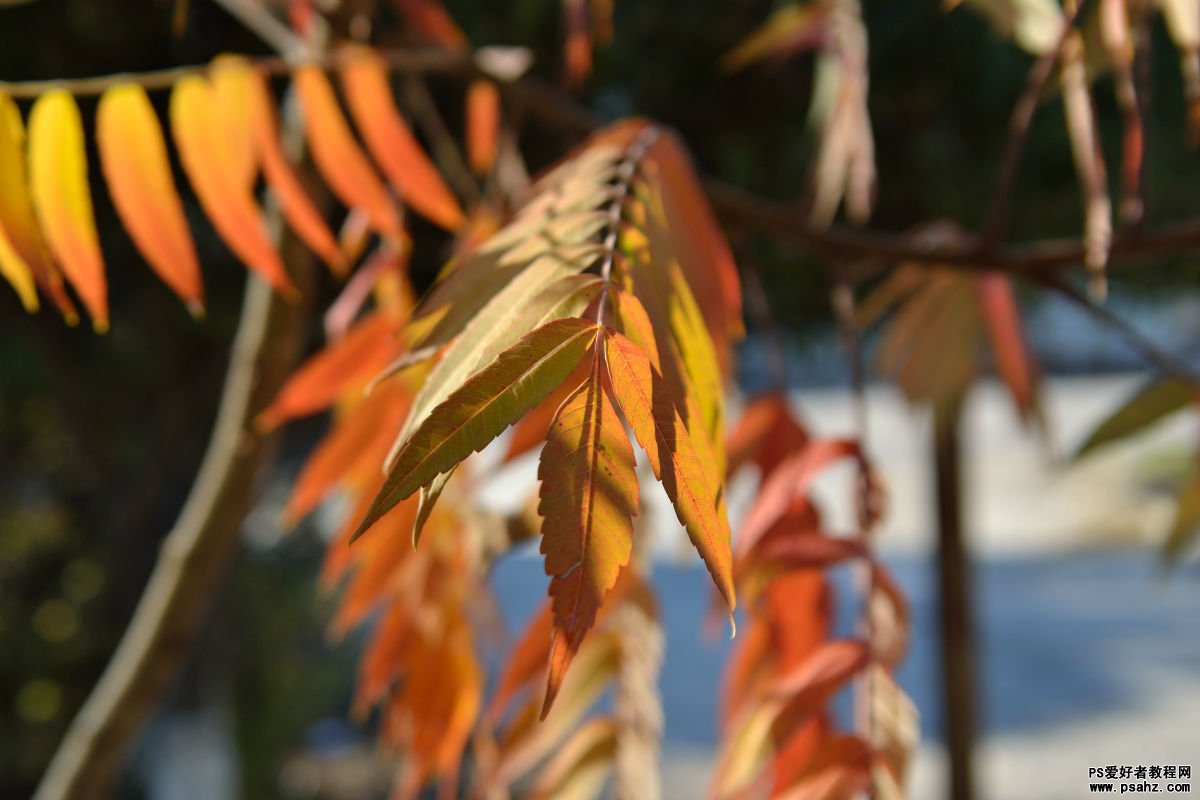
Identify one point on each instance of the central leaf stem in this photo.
(623, 182)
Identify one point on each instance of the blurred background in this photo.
(1088, 652)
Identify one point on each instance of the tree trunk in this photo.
(954, 601)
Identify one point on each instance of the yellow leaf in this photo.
(58, 179)
(22, 253)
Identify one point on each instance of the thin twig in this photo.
(1157, 356)
(445, 151)
(407, 60)
(255, 16)
(1018, 126)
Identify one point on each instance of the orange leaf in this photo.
(790, 479)
(205, 148)
(357, 444)
(483, 125)
(338, 155)
(840, 770)
(430, 19)
(234, 78)
(577, 50)
(589, 494)
(348, 363)
(696, 492)
(384, 659)
(395, 149)
(1003, 323)
(58, 178)
(766, 433)
(528, 659)
(818, 676)
(233, 87)
(133, 156)
(530, 432)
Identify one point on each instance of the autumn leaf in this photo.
(697, 493)
(483, 125)
(579, 768)
(548, 289)
(133, 156)
(589, 495)
(236, 76)
(430, 19)
(479, 410)
(338, 156)
(790, 29)
(218, 178)
(342, 366)
(526, 740)
(58, 179)
(998, 307)
(19, 237)
(395, 149)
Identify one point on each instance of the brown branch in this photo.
(1150, 351)
(783, 221)
(193, 557)
(197, 550)
(411, 60)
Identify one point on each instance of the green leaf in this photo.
(533, 298)
(1155, 400)
(480, 409)
(1187, 520)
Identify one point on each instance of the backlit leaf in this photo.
(1154, 401)
(22, 260)
(353, 449)
(342, 366)
(589, 495)
(335, 152)
(1003, 323)
(479, 410)
(546, 291)
(579, 768)
(429, 18)
(133, 156)
(235, 76)
(58, 180)
(483, 125)
(697, 494)
(395, 149)
(217, 176)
